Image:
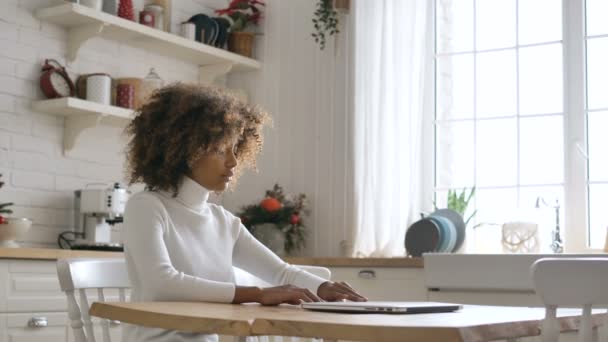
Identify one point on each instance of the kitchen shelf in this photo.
(84, 23)
(82, 115)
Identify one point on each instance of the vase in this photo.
(241, 43)
(271, 236)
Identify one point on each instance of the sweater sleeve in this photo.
(145, 219)
(255, 258)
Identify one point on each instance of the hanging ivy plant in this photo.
(325, 21)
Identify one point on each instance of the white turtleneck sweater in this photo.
(184, 249)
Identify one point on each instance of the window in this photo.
(507, 122)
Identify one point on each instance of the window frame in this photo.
(575, 231)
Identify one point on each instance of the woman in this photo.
(185, 142)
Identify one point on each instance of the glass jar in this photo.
(151, 83)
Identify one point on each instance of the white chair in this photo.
(571, 282)
(79, 275)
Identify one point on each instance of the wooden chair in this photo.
(571, 282)
(80, 275)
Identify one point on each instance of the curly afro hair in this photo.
(179, 123)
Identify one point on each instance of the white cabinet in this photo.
(32, 307)
(384, 283)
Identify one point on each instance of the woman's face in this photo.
(215, 169)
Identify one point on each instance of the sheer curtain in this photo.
(391, 60)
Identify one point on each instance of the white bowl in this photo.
(14, 229)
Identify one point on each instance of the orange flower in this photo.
(270, 204)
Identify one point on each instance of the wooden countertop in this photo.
(357, 262)
(54, 254)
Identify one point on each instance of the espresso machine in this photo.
(97, 210)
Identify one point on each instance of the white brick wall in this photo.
(39, 178)
(305, 152)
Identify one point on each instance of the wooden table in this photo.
(472, 323)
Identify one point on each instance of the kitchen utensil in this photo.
(457, 221)
(224, 30)
(205, 27)
(422, 237)
(99, 88)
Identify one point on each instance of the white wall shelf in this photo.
(81, 115)
(84, 23)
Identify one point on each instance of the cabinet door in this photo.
(384, 283)
(30, 327)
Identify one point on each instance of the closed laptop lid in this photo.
(383, 307)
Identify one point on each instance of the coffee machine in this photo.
(97, 210)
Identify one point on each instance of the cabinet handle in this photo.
(367, 274)
(37, 322)
(114, 322)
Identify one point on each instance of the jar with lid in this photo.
(158, 12)
(150, 83)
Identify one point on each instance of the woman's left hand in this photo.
(336, 291)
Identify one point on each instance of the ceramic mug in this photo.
(99, 88)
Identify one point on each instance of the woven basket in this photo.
(241, 43)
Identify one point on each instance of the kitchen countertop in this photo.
(357, 262)
(54, 254)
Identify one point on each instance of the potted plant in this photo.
(11, 228)
(325, 22)
(245, 16)
(277, 221)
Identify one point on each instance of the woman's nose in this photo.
(231, 160)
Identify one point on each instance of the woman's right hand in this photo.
(286, 294)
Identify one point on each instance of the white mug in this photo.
(99, 88)
(188, 31)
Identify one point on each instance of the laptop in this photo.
(383, 307)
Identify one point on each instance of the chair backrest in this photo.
(79, 275)
(571, 282)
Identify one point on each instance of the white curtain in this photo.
(391, 59)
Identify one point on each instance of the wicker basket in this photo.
(241, 43)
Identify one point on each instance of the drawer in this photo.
(384, 283)
(41, 326)
(33, 286)
(342, 273)
(28, 292)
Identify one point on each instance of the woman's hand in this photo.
(336, 291)
(286, 294)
